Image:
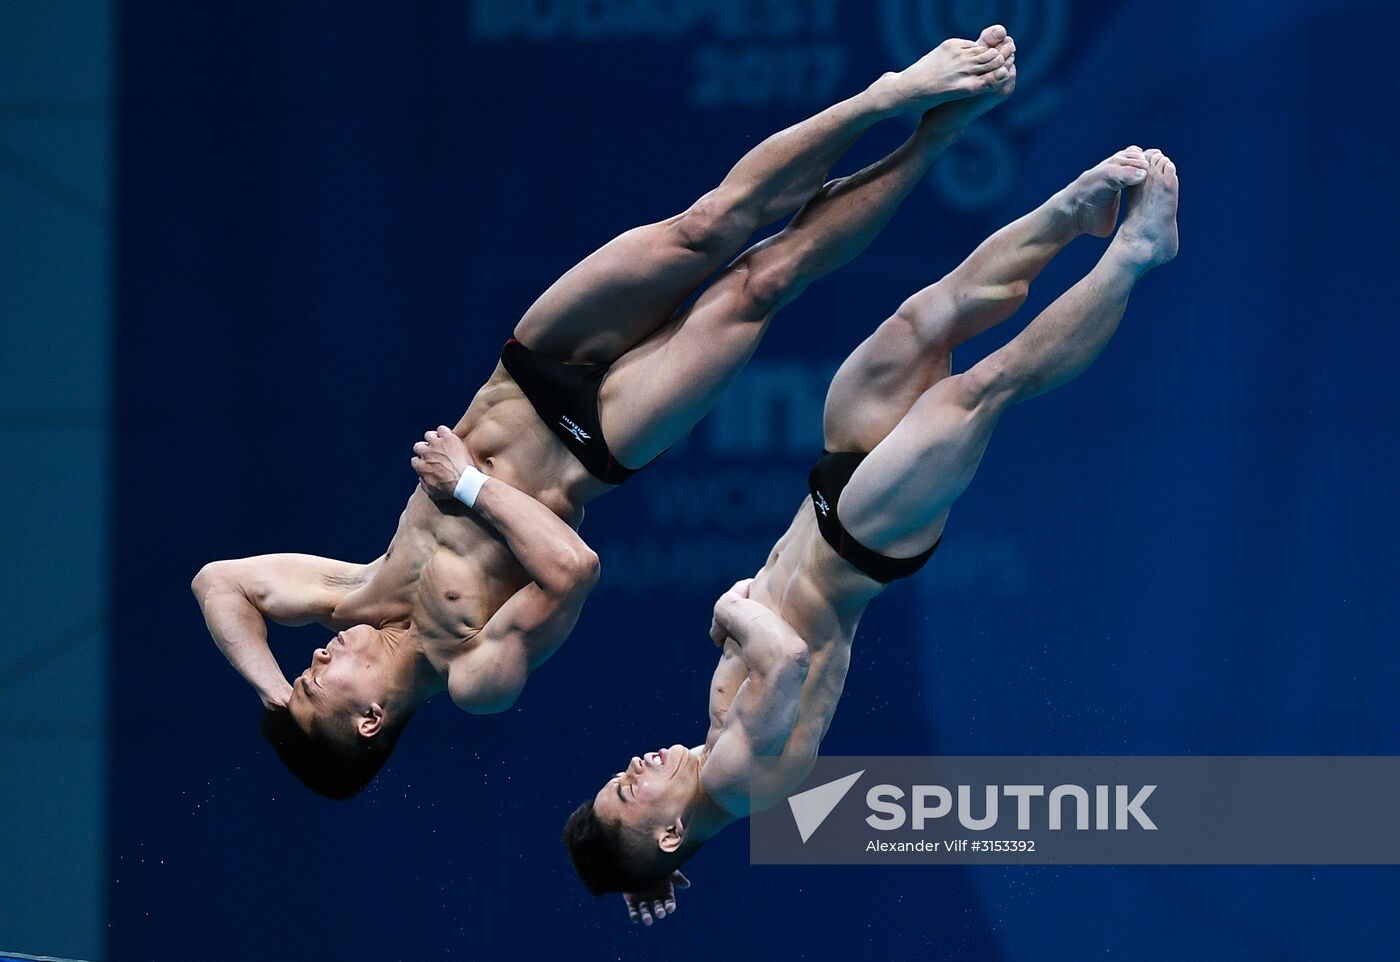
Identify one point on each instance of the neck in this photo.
(704, 817)
(414, 679)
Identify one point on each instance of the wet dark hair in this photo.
(596, 849)
(333, 767)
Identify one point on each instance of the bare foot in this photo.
(959, 113)
(953, 70)
(1093, 199)
(1148, 236)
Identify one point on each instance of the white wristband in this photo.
(469, 486)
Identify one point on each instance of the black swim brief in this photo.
(565, 396)
(827, 480)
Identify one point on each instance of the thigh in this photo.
(658, 391)
(898, 499)
(621, 293)
(877, 385)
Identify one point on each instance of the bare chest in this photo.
(445, 573)
(822, 598)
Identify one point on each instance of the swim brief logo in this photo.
(821, 504)
(810, 808)
(579, 434)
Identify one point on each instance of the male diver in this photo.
(485, 576)
(904, 437)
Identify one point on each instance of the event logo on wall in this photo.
(980, 171)
(785, 53)
(741, 53)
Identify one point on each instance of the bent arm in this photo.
(761, 716)
(237, 595)
(766, 643)
(551, 552)
(519, 637)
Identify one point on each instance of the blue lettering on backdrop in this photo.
(660, 19)
(789, 53)
(763, 53)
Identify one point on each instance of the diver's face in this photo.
(652, 792)
(345, 678)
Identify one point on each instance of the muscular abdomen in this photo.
(507, 440)
(822, 597)
(446, 572)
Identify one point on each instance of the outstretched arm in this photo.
(290, 589)
(761, 716)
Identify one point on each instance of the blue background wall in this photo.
(329, 217)
(57, 119)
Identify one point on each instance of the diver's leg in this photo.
(658, 391)
(634, 284)
(898, 499)
(912, 350)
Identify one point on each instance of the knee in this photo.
(988, 386)
(714, 222)
(772, 280)
(929, 318)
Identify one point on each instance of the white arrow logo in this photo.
(810, 808)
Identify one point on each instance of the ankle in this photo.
(1060, 217)
(884, 98)
(1131, 255)
(933, 136)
